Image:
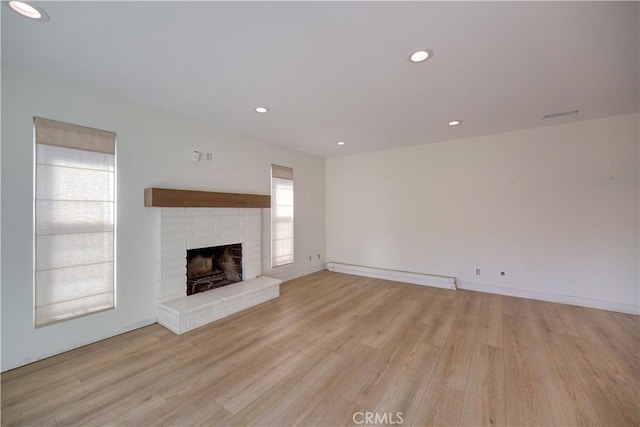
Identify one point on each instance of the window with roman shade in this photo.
(281, 215)
(74, 221)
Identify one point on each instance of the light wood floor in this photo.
(333, 345)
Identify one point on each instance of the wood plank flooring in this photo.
(333, 345)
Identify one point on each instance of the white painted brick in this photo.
(190, 237)
(168, 269)
(247, 246)
(171, 296)
(252, 254)
(231, 223)
(175, 261)
(252, 260)
(172, 220)
(175, 286)
(203, 223)
(174, 276)
(192, 212)
(167, 212)
(204, 242)
(232, 235)
(173, 232)
(173, 240)
(176, 235)
(190, 227)
(173, 290)
(180, 229)
(177, 278)
(225, 212)
(172, 250)
(251, 265)
(252, 229)
(173, 268)
(158, 221)
(186, 313)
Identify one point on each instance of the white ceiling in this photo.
(333, 71)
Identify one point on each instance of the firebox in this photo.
(213, 267)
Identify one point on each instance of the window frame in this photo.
(282, 173)
(98, 134)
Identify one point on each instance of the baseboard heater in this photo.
(424, 279)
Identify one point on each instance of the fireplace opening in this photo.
(213, 267)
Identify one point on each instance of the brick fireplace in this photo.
(184, 229)
(190, 228)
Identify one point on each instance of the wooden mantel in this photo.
(171, 198)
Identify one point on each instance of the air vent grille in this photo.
(556, 115)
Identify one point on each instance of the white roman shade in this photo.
(74, 220)
(281, 215)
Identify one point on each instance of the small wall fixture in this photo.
(28, 10)
(454, 122)
(262, 110)
(195, 156)
(341, 143)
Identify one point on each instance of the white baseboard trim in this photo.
(557, 298)
(8, 365)
(294, 274)
(395, 275)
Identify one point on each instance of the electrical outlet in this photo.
(318, 256)
(477, 271)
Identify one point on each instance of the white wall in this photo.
(555, 208)
(153, 149)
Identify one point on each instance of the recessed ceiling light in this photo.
(28, 10)
(420, 55)
(262, 110)
(341, 142)
(454, 122)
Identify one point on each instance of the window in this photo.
(74, 221)
(281, 215)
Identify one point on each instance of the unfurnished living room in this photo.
(309, 213)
